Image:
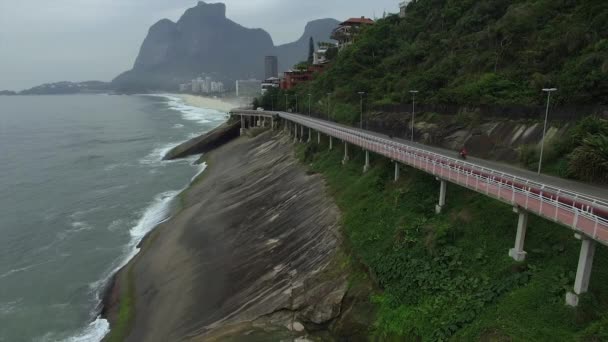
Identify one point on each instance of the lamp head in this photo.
(549, 90)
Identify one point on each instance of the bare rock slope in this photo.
(249, 254)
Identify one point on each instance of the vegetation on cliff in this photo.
(480, 52)
(449, 276)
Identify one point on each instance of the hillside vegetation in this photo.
(448, 277)
(479, 51)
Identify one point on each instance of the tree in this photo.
(311, 51)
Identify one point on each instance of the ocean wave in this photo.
(201, 169)
(157, 212)
(23, 269)
(10, 307)
(178, 126)
(155, 158)
(95, 331)
(192, 113)
(80, 226)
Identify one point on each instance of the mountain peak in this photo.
(204, 9)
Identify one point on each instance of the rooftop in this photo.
(362, 20)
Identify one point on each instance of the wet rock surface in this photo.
(206, 142)
(249, 256)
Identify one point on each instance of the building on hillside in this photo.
(403, 8)
(319, 56)
(269, 83)
(271, 66)
(248, 88)
(347, 31)
(292, 78)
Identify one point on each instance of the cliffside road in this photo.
(601, 192)
(579, 206)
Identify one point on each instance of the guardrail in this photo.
(583, 213)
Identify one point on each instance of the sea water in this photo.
(82, 181)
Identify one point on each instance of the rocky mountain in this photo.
(203, 40)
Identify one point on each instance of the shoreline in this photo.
(169, 261)
(108, 294)
(219, 104)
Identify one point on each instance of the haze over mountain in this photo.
(203, 40)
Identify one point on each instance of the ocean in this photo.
(81, 182)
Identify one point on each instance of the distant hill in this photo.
(7, 92)
(65, 87)
(203, 40)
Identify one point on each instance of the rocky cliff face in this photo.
(203, 40)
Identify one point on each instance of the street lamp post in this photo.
(309, 99)
(296, 95)
(542, 144)
(286, 97)
(328, 106)
(361, 93)
(413, 92)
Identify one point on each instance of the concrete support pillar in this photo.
(309, 134)
(397, 171)
(264, 121)
(346, 158)
(331, 143)
(295, 133)
(366, 166)
(319, 138)
(518, 253)
(301, 133)
(242, 125)
(583, 271)
(442, 190)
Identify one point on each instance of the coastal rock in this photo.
(205, 142)
(250, 253)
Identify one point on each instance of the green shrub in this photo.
(589, 161)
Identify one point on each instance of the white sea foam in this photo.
(80, 226)
(155, 158)
(95, 331)
(178, 126)
(192, 113)
(201, 169)
(157, 212)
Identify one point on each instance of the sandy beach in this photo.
(224, 105)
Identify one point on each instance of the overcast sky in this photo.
(54, 40)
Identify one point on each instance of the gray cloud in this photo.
(47, 41)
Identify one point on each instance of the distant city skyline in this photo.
(62, 40)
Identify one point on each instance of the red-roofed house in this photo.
(346, 32)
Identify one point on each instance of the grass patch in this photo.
(449, 277)
(126, 313)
